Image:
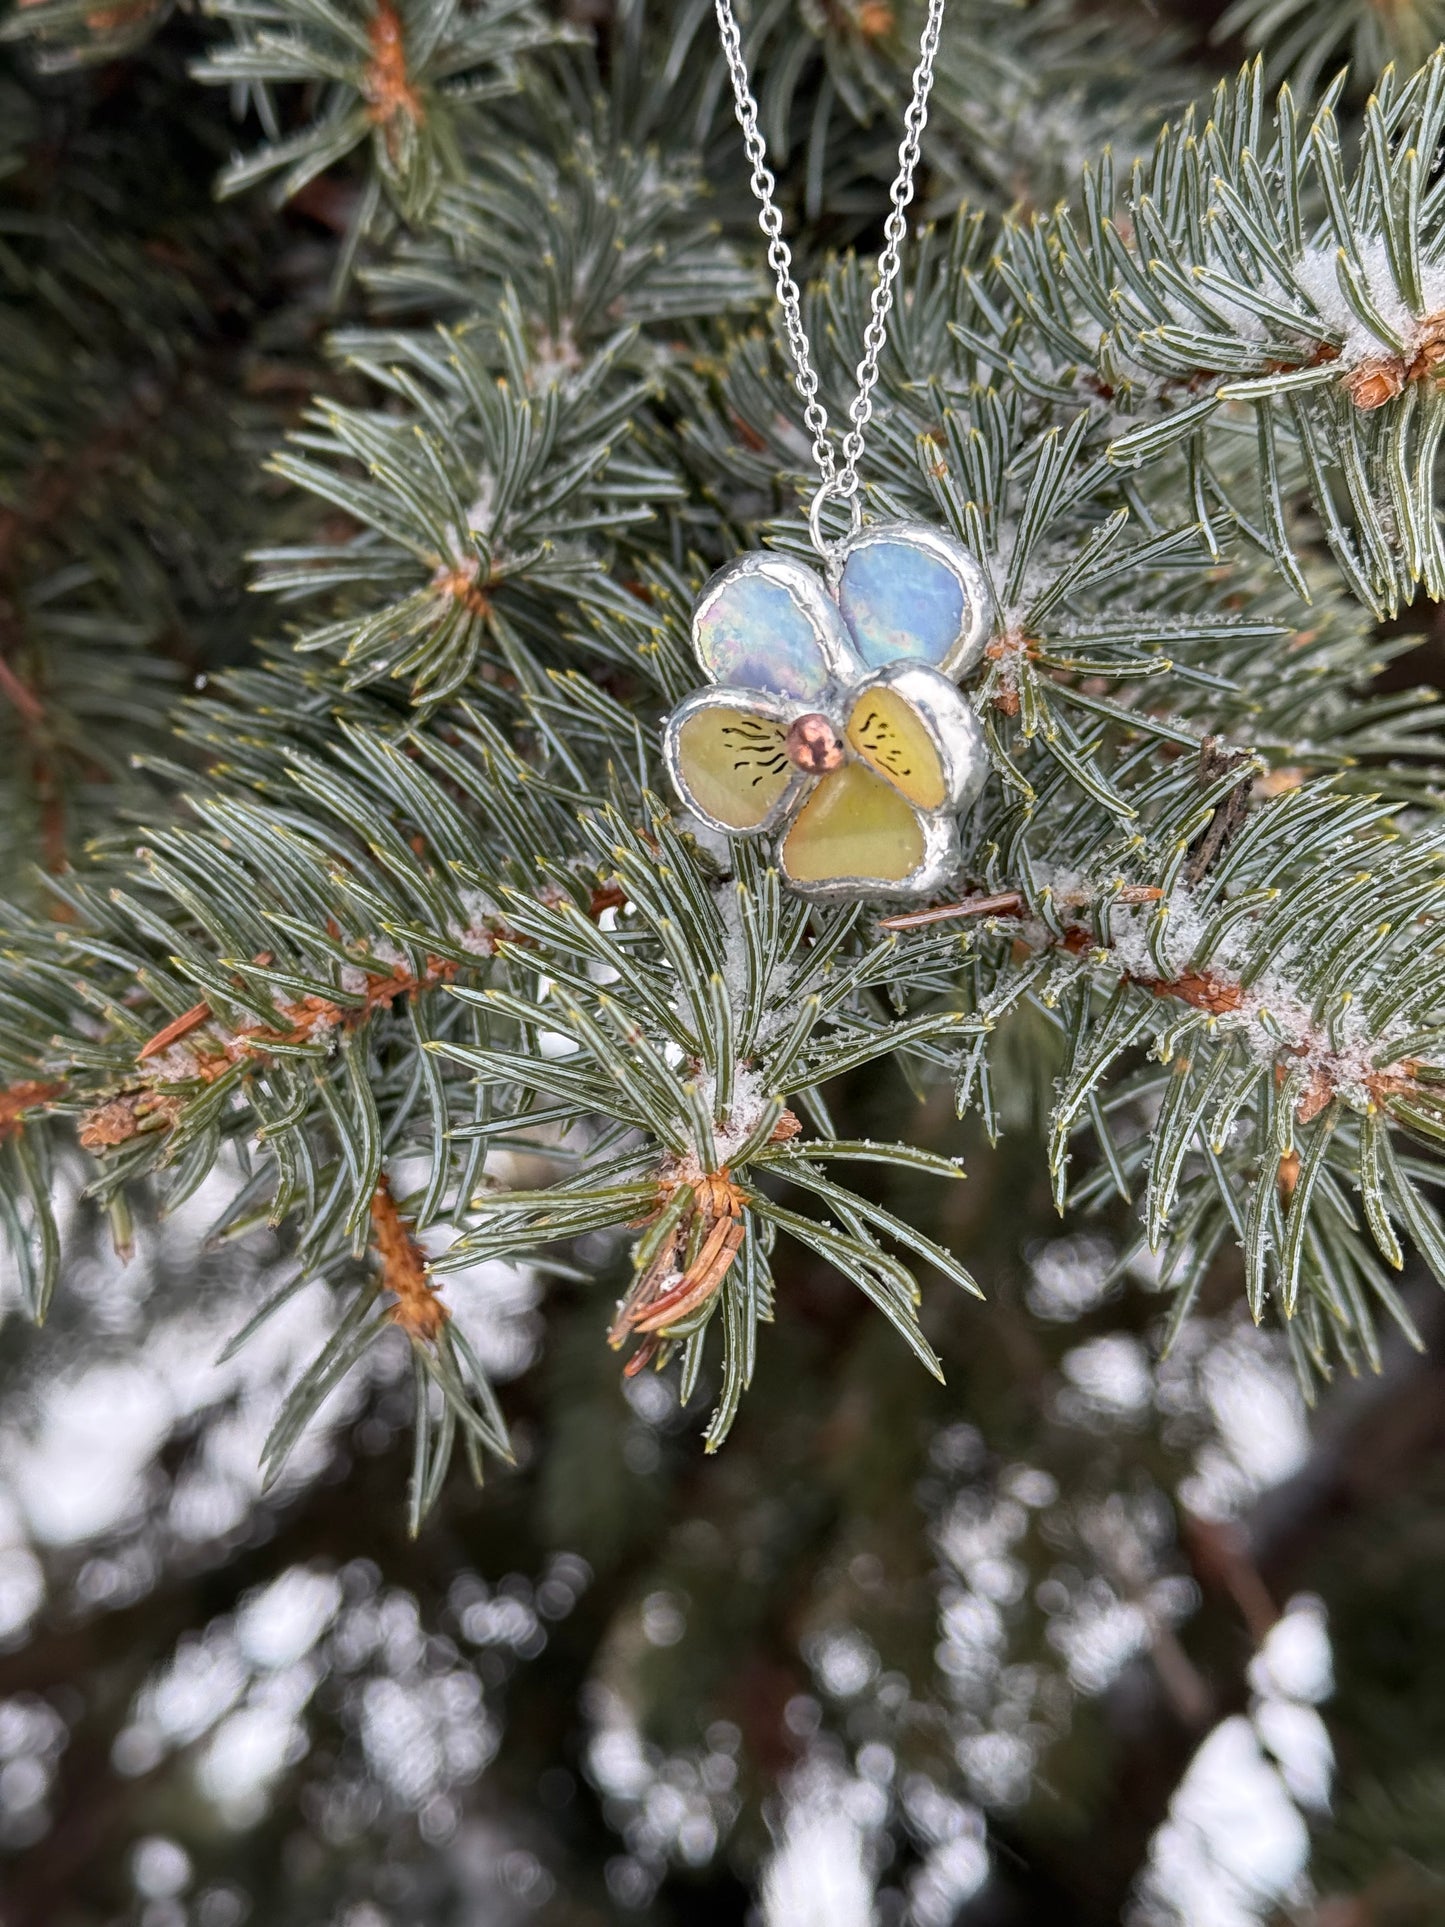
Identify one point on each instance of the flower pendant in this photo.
(833, 719)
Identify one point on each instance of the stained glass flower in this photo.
(833, 719)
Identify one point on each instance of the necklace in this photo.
(832, 718)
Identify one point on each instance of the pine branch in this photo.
(457, 927)
(475, 507)
(734, 1003)
(392, 78)
(1306, 1024)
(1248, 270)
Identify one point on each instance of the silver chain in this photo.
(840, 482)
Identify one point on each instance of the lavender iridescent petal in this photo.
(902, 603)
(767, 624)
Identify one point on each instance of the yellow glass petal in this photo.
(734, 764)
(888, 733)
(853, 826)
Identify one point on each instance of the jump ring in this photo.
(835, 485)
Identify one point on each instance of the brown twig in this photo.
(1216, 758)
(671, 1288)
(1006, 903)
(123, 1114)
(1009, 652)
(418, 1310)
(174, 1031)
(119, 1119)
(1370, 384)
(18, 1099)
(1215, 992)
(698, 1283)
(462, 584)
(387, 85)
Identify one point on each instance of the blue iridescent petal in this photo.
(766, 622)
(913, 595)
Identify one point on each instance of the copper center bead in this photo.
(814, 745)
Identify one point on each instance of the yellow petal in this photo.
(734, 765)
(853, 826)
(890, 735)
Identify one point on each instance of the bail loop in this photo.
(827, 546)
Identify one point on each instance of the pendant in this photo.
(833, 720)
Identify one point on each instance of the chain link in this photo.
(840, 482)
